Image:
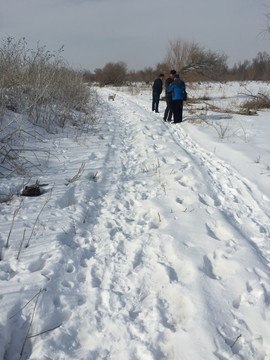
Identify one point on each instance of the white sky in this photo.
(137, 32)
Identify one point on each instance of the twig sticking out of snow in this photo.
(47, 277)
(37, 294)
(238, 337)
(78, 175)
(44, 332)
(20, 248)
(16, 211)
(43, 207)
(31, 322)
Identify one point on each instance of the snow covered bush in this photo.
(38, 86)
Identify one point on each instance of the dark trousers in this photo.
(155, 102)
(168, 111)
(177, 110)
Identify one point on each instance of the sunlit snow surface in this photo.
(159, 250)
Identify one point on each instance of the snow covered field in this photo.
(160, 249)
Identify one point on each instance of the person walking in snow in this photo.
(168, 111)
(177, 89)
(157, 90)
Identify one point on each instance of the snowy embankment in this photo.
(159, 250)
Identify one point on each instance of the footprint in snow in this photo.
(81, 300)
(206, 200)
(232, 337)
(67, 284)
(168, 160)
(95, 155)
(37, 264)
(185, 181)
(6, 271)
(171, 273)
(217, 231)
(81, 278)
(175, 308)
(217, 266)
(158, 147)
(70, 268)
(138, 258)
(256, 291)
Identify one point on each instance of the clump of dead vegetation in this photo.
(256, 102)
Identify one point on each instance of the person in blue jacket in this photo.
(157, 90)
(177, 88)
(168, 111)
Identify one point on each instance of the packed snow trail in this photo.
(164, 256)
(168, 270)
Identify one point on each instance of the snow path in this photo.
(165, 256)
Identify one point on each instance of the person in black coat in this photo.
(157, 90)
(168, 111)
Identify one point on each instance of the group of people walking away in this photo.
(175, 93)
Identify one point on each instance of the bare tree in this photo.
(268, 23)
(188, 57)
(178, 53)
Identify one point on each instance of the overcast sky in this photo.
(95, 32)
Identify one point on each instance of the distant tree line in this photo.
(193, 62)
(257, 69)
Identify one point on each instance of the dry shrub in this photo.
(40, 84)
(258, 102)
(39, 87)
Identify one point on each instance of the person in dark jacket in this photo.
(168, 111)
(177, 89)
(157, 90)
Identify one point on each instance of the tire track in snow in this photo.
(238, 200)
(242, 206)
